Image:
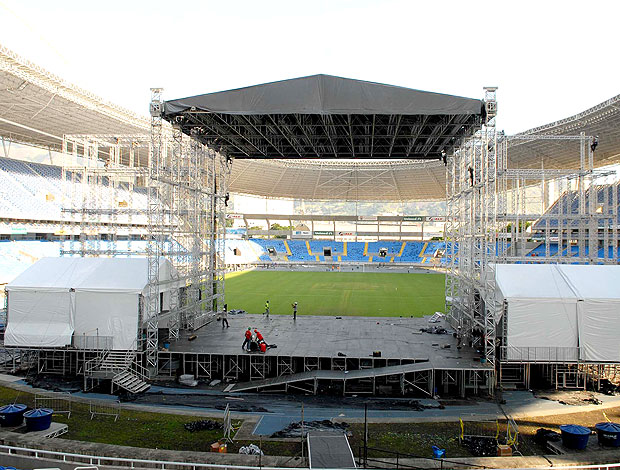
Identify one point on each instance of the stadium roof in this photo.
(327, 117)
(602, 120)
(38, 108)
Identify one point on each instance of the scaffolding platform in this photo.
(55, 430)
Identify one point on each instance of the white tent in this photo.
(598, 310)
(560, 312)
(57, 298)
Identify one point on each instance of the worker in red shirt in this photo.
(262, 345)
(248, 338)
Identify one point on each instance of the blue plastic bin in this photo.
(39, 419)
(12, 415)
(575, 436)
(608, 434)
(438, 453)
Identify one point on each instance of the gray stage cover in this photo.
(326, 94)
(329, 450)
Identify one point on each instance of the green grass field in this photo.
(327, 293)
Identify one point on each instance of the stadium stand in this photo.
(36, 191)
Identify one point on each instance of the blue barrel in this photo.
(575, 436)
(608, 434)
(39, 419)
(12, 415)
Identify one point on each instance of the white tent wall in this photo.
(561, 313)
(598, 289)
(599, 330)
(108, 314)
(542, 329)
(39, 318)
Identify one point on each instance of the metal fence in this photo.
(59, 402)
(100, 408)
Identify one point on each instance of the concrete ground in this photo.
(280, 412)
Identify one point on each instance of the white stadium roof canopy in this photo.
(38, 108)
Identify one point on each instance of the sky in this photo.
(550, 59)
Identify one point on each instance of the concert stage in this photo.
(378, 355)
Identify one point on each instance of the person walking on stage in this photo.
(266, 312)
(248, 338)
(294, 310)
(224, 316)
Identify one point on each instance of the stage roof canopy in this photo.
(327, 117)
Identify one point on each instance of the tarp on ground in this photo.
(325, 94)
(553, 309)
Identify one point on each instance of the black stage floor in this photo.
(328, 336)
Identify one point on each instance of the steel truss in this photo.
(497, 214)
(187, 225)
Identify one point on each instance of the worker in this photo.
(224, 316)
(259, 336)
(294, 310)
(266, 309)
(248, 338)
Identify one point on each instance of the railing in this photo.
(139, 370)
(93, 342)
(395, 460)
(92, 460)
(539, 354)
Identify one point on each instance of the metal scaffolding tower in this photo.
(177, 204)
(187, 223)
(498, 212)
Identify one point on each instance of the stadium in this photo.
(498, 271)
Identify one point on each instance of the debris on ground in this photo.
(480, 446)
(545, 435)
(608, 388)
(188, 379)
(252, 449)
(55, 383)
(568, 397)
(435, 330)
(203, 425)
(295, 429)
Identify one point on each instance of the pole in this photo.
(365, 434)
(301, 437)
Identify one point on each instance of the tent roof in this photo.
(592, 281)
(531, 281)
(327, 117)
(558, 281)
(95, 274)
(326, 94)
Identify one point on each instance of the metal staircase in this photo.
(121, 367)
